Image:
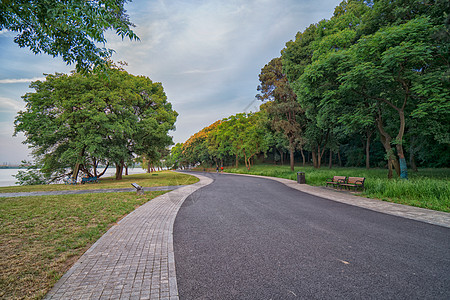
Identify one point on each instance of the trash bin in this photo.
(301, 177)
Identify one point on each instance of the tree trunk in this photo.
(339, 158)
(126, 170)
(386, 141)
(412, 162)
(76, 170)
(94, 163)
(103, 172)
(314, 159)
(369, 134)
(303, 155)
(119, 170)
(319, 157)
(237, 161)
(330, 161)
(282, 157)
(399, 146)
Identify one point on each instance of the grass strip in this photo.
(41, 237)
(163, 178)
(427, 188)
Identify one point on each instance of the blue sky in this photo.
(207, 54)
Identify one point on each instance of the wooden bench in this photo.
(139, 189)
(353, 182)
(89, 180)
(336, 180)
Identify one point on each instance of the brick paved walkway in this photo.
(134, 259)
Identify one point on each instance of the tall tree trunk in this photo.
(314, 158)
(303, 155)
(119, 170)
(291, 153)
(412, 162)
(76, 170)
(399, 146)
(94, 163)
(330, 161)
(339, 158)
(126, 170)
(386, 141)
(369, 135)
(319, 157)
(291, 158)
(412, 150)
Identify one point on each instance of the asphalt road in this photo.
(251, 238)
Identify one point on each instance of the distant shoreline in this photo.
(12, 167)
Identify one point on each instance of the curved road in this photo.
(251, 238)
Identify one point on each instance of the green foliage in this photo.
(381, 65)
(242, 136)
(71, 29)
(78, 121)
(284, 111)
(32, 176)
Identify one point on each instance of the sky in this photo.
(207, 55)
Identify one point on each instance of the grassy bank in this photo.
(162, 178)
(428, 188)
(42, 236)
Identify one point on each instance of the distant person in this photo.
(217, 169)
(221, 169)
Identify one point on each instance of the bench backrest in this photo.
(356, 180)
(136, 186)
(339, 178)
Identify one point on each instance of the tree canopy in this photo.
(71, 29)
(79, 121)
(374, 77)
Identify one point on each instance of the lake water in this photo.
(7, 179)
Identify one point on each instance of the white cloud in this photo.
(21, 80)
(10, 105)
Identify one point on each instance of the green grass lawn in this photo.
(428, 188)
(162, 178)
(42, 236)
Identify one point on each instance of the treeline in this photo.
(85, 123)
(372, 80)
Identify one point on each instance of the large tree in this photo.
(75, 121)
(285, 111)
(73, 29)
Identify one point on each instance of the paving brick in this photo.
(134, 259)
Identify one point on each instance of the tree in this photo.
(285, 111)
(75, 121)
(71, 29)
(399, 71)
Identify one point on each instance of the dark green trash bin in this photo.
(301, 177)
